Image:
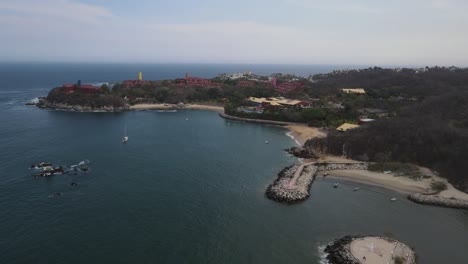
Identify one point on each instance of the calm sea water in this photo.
(181, 191)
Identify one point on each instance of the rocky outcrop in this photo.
(438, 201)
(290, 189)
(339, 251)
(342, 166)
(301, 152)
(78, 108)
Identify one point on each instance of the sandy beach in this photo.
(401, 183)
(301, 133)
(175, 106)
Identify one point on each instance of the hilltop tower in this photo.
(140, 76)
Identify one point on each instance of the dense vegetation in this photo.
(166, 92)
(433, 133)
(101, 99)
(317, 117)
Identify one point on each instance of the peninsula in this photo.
(384, 117)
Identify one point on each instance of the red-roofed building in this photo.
(68, 88)
(245, 84)
(195, 81)
(88, 88)
(85, 88)
(133, 83)
(287, 87)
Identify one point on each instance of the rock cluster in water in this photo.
(301, 152)
(47, 169)
(43, 103)
(438, 201)
(339, 251)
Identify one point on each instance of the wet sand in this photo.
(301, 133)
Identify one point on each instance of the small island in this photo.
(369, 249)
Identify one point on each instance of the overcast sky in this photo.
(377, 32)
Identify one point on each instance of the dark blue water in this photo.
(181, 191)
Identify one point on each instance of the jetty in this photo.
(435, 200)
(293, 183)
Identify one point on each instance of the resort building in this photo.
(346, 126)
(287, 87)
(195, 81)
(138, 82)
(277, 102)
(353, 90)
(246, 84)
(85, 88)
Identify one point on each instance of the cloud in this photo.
(62, 9)
(347, 7)
(73, 31)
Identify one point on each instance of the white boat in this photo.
(356, 189)
(393, 199)
(266, 141)
(335, 185)
(125, 138)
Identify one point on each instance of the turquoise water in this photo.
(181, 191)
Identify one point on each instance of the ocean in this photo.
(187, 188)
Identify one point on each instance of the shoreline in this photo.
(356, 249)
(401, 184)
(219, 109)
(302, 132)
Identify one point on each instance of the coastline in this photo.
(401, 184)
(216, 108)
(301, 133)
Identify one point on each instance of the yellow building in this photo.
(275, 101)
(346, 126)
(140, 76)
(354, 91)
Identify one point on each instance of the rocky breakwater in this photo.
(339, 251)
(438, 201)
(368, 249)
(43, 103)
(293, 184)
(341, 166)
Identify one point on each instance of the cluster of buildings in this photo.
(195, 81)
(287, 87)
(234, 76)
(137, 82)
(353, 91)
(277, 102)
(85, 88)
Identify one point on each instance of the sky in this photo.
(357, 32)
